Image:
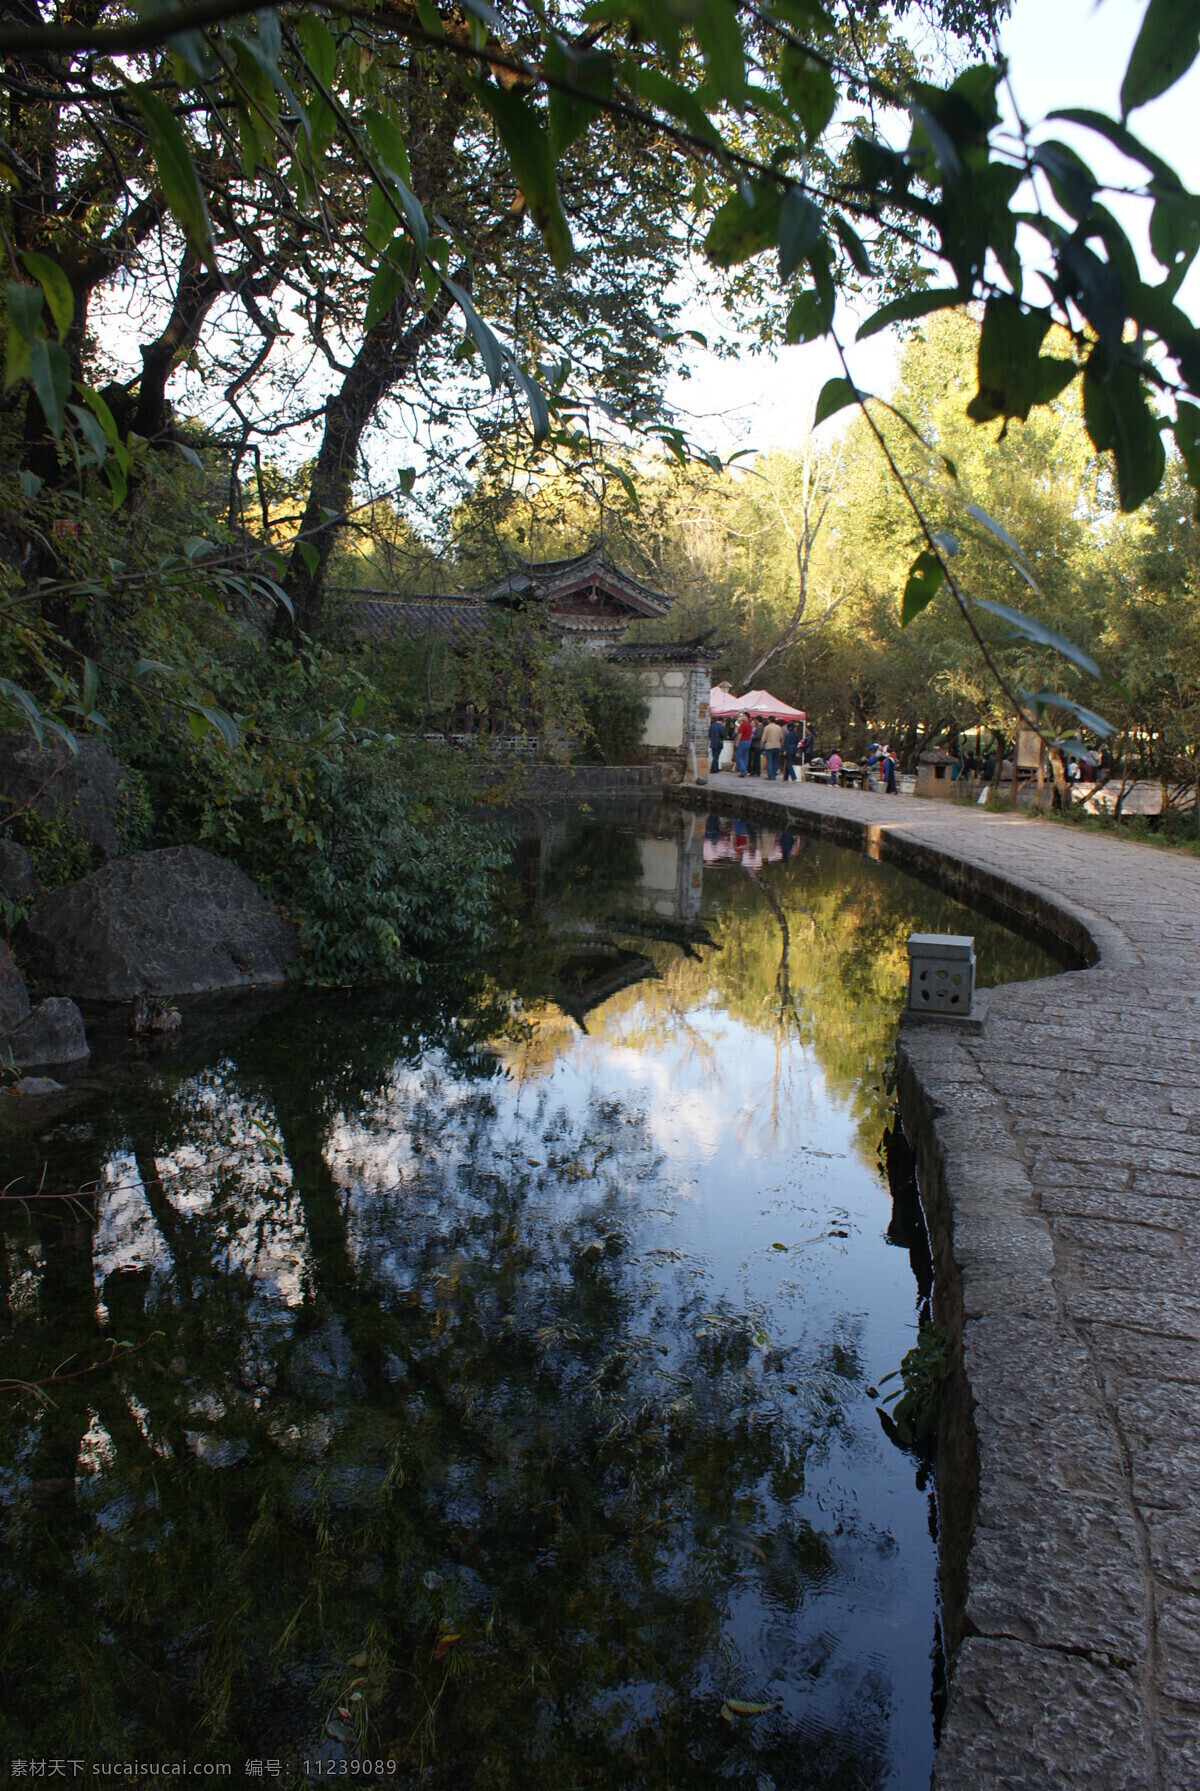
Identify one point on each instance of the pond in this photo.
(477, 1386)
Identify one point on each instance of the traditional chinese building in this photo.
(586, 602)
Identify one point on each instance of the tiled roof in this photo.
(455, 619)
(555, 578)
(700, 647)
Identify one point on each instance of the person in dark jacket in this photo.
(791, 746)
(756, 750)
(888, 767)
(716, 742)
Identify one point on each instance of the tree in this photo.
(264, 142)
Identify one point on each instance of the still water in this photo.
(493, 1381)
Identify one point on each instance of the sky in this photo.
(1061, 53)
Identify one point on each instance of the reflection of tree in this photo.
(832, 928)
(486, 1416)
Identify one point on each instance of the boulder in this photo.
(14, 996)
(31, 1085)
(18, 878)
(87, 784)
(52, 1034)
(174, 922)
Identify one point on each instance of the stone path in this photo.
(1061, 1167)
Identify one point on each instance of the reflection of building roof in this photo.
(592, 977)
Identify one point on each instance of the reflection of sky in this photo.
(756, 1153)
(753, 1153)
(740, 1184)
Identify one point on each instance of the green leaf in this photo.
(929, 140)
(92, 431)
(1013, 374)
(1071, 180)
(807, 17)
(258, 108)
(1120, 420)
(1013, 548)
(808, 318)
(799, 228)
(209, 716)
(911, 305)
(742, 1707)
(389, 148)
(922, 585)
(539, 410)
(853, 244)
(388, 144)
(1187, 440)
(1121, 138)
(718, 32)
(489, 348)
(309, 555)
(115, 473)
(677, 101)
(55, 285)
(100, 410)
(809, 89)
(835, 395)
(30, 483)
(1050, 699)
(1175, 234)
(24, 310)
(385, 290)
(320, 51)
(50, 371)
(1165, 48)
(1033, 630)
(748, 222)
(588, 70)
(91, 686)
(176, 172)
(531, 157)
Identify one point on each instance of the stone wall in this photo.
(678, 720)
(591, 783)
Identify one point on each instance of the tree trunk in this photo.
(385, 356)
(195, 291)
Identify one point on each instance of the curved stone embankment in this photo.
(1059, 1151)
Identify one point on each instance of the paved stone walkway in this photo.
(1061, 1166)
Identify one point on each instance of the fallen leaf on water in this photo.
(741, 1707)
(748, 1543)
(779, 1246)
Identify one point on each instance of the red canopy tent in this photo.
(755, 703)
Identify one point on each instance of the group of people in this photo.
(765, 742)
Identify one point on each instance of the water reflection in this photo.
(491, 1364)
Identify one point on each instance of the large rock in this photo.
(87, 784)
(18, 878)
(175, 922)
(52, 1034)
(14, 996)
